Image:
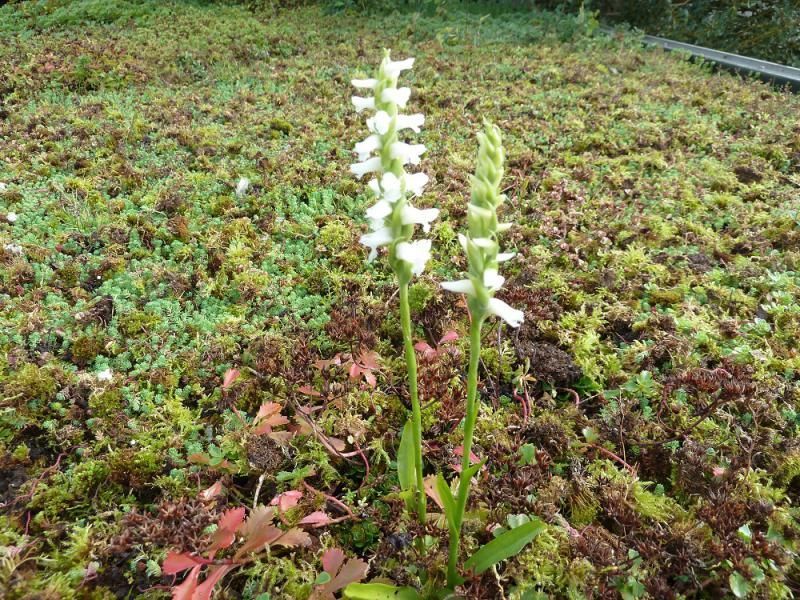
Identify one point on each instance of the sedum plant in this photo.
(384, 156)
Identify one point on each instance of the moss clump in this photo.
(335, 236)
(85, 349)
(281, 126)
(666, 297)
(32, 382)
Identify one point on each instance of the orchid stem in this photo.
(470, 419)
(416, 412)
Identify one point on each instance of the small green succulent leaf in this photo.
(322, 578)
(504, 546)
(739, 585)
(379, 591)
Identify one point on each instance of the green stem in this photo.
(416, 413)
(469, 429)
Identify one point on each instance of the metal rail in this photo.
(771, 72)
(768, 71)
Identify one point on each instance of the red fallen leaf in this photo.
(212, 491)
(231, 519)
(186, 590)
(370, 379)
(293, 537)
(258, 530)
(226, 528)
(266, 410)
(459, 451)
(309, 391)
(199, 458)
(281, 436)
(286, 500)
(423, 347)
(269, 416)
(369, 360)
(324, 364)
(448, 337)
(230, 376)
(429, 483)
(260, 537)
(175, 563)
(316, 519)
(354, 371)
(352, 571)
(336, 443)
(332, 560)
(204, 590)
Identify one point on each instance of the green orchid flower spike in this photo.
(484, 258)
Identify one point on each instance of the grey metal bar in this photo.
(768, 71)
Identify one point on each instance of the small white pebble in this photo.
(105, 375)
(11, 217)
(242, 186)
(13, 249)
(3, 186)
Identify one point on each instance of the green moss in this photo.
(419, 294)
(335, 237)
(655, 232)
(85, 349)
(281, 126)
(32, 383)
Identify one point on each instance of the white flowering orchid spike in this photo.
(480, 243)
(385, 155)
(392, 221)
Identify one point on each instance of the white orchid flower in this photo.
(398, 96)
(379, 210)
(493, 280)
(362, 104)
(416, 253)
(407, 153)
(368, 146)
(376, 239)
(364, 84)
(394, 67)
(371, 165)
(510, 315)
(460, 286)
(413, 122)
(416, 182)
(416, 216)
(379, 122)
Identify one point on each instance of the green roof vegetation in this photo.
(647, 411)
